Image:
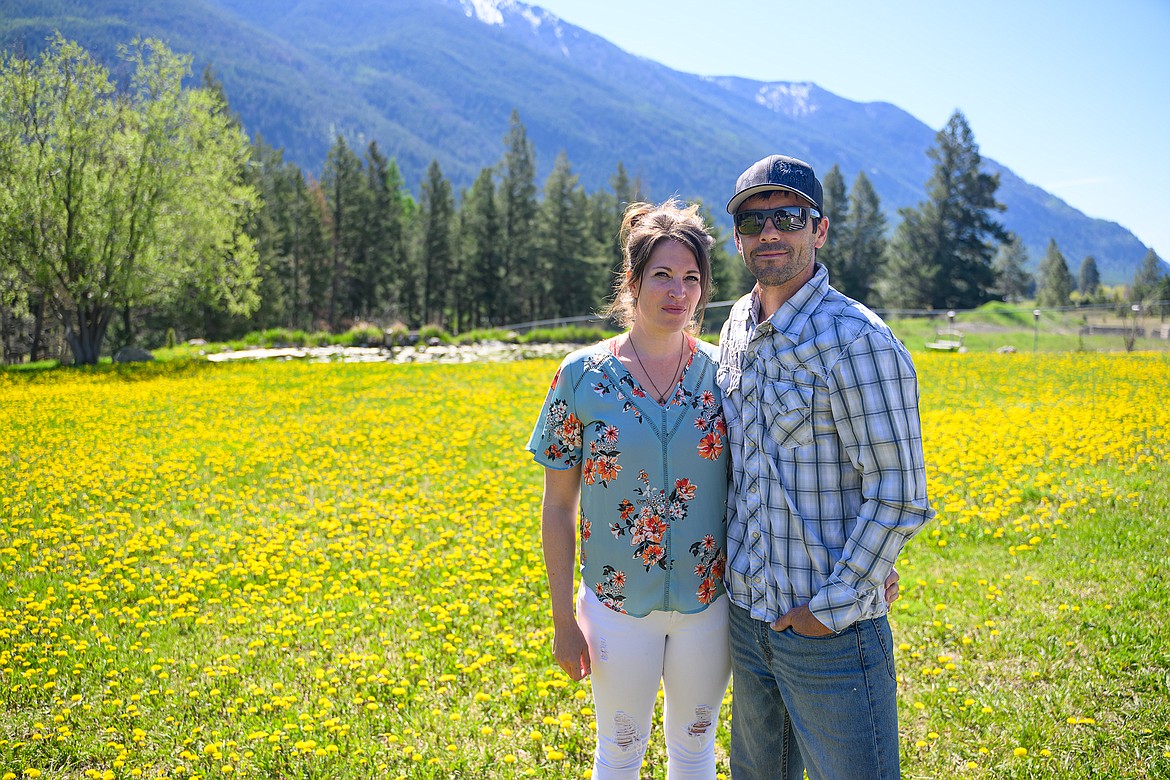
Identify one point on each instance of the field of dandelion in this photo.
(291, 570)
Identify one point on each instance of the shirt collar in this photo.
(792, 315)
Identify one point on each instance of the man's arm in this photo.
(874, 398)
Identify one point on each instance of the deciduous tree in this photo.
(117, 200)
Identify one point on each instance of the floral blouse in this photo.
(654, 479)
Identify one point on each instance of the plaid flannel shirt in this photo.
(828, 478)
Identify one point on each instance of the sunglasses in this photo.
(787, 219)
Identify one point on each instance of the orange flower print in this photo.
(607, 468)
(655, 527)
(611, 592)
(571, 431)
(563, 429)
(711, 446)
(626, 508)
(712, 562)
(707, 591)
(589, 471)
(685, 489)
(652, 554)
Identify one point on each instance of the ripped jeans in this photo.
(691, 657)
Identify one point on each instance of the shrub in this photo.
(565, 334)
(396, 335)
(428, 332)
(488, 334)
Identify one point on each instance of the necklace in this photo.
(674, 377)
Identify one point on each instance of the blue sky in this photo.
(1073, 96)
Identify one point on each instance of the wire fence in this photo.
(1095, 326)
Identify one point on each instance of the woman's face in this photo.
(670, 288)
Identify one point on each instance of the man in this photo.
(828, 484)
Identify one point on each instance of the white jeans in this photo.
(689, 654)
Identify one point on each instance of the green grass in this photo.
(325, 570)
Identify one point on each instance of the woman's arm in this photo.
(558, 532)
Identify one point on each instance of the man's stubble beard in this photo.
(775, 275)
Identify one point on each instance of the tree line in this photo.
(355, 246)
(134, 209)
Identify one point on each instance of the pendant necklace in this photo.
(674, 377)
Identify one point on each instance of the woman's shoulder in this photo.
(587, 357)
(706, 351)
(582, 360)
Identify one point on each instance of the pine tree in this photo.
(319, 263)
(437, 221)
(1089, 278)
(910, 278)
(346, 193)
(518, 208)
(379, 288)
(569, 263)
(1056, 281)
(480, 235)
(605, 210)
(836, 208)
(944, 247)
(1145, 280)
(729, 276)
(306, 249)
(270, 175)
(1012, 282)
(860, 242)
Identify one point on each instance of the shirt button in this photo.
(753, 489)
(755, 534)
(757, 580)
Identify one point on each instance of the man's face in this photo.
(778, 257)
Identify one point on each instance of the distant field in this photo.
(996, 326)
(290, 570)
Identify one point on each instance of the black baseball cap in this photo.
(777, 172)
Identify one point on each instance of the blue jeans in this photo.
(826, 705)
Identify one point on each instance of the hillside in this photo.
(438, 79)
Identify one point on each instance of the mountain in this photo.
(438, 80)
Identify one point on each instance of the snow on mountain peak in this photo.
(499, 12)
(791, 99)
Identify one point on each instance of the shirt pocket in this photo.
(788, 413)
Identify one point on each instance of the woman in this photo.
(632, 433)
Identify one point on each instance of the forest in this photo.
(142, 214)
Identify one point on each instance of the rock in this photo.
(1007, 349)
(133, 355)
